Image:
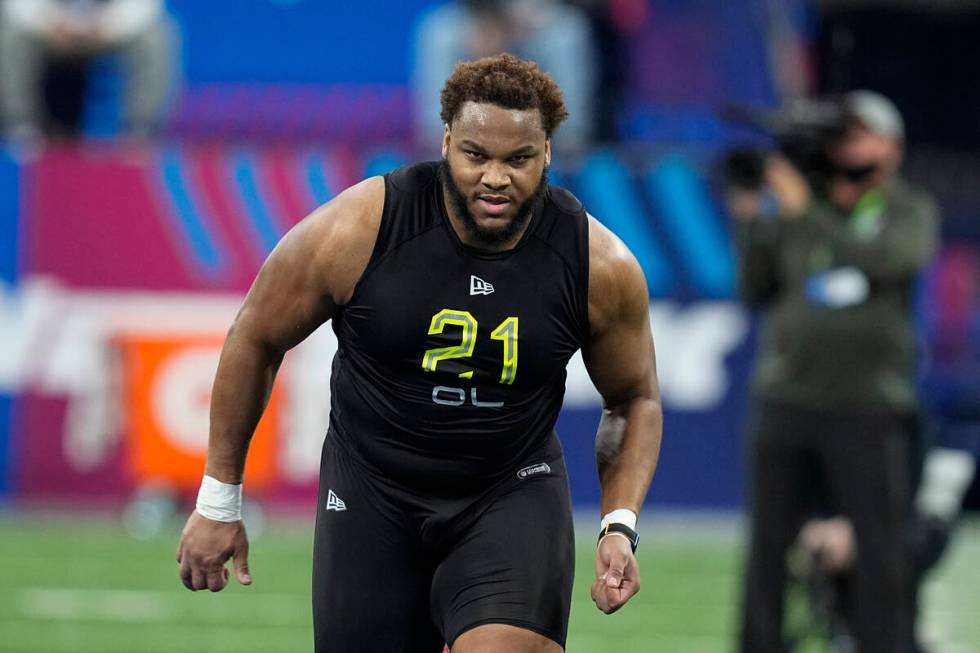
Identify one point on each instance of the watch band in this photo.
(616, 527)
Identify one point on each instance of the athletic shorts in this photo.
(397, 571)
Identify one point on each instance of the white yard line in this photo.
(139, 606)
(85, 604)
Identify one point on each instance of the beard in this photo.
(490, 237)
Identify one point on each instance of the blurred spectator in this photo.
(833, 267)
(552, 34)
(787, 25)
(613, 24)
(47, 48)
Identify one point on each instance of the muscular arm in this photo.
(309, 274)
(621, 362)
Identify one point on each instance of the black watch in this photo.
(616, 527)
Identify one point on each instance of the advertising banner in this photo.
(167, 381)
(136, 264)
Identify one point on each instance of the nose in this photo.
(495, 176)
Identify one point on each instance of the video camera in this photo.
(802, 129)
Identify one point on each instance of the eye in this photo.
(473, 154)
(520, 158)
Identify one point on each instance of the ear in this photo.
(547, 152)
(445, 141)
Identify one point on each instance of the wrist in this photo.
(219, 501)
(622, 530)
(619, 516)
(621, 522)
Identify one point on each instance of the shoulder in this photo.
(349, 217)
(913, 199)
(564, 200)
(414, 178)
(617, 287)
(337, 238)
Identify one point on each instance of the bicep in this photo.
(313, 269)
(620, 355)
(289, 298)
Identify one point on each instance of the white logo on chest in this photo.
(479, 287)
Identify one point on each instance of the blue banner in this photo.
(9, 241)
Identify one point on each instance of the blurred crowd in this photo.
(49, 49)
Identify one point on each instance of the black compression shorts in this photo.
(397, 571)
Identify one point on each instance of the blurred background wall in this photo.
(123, 259)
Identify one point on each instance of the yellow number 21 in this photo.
(506, 332)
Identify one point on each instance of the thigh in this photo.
(867, 469)
(493, 638)
(781, 469)
(371, 582)
(514, 564)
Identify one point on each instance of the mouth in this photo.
(493, 205)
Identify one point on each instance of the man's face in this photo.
(861, 160)
(496, 160)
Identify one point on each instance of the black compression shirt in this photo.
(451, 362)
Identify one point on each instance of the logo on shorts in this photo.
(334, 502)
(479, 287)
(531, 470)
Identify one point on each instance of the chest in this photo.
(432, 312)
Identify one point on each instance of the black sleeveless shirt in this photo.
(451, 362)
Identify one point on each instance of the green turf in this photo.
(80, 585)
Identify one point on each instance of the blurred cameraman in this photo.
(830, 253)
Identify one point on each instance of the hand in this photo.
(617, 573)
(791, 190)
(834, 539)
(205, 546)
(744, 205)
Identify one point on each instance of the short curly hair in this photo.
(508, 82)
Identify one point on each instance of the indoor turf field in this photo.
(80, 585)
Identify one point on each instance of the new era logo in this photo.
(531, 470)
(479, 287)
(334, 502)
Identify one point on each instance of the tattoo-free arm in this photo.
(620, 359)
(307, 276)
(621, 362)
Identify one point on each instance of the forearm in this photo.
(756, 244)
(627, 450)
(241, 390)
(905, 245)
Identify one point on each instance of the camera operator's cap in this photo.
(876, 112)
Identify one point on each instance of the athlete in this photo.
(458, 291)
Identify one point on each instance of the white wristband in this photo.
(219, 501)
(623, 516)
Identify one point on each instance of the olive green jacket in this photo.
(836, 295)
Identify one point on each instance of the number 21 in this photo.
(507, 332)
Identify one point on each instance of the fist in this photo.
(617, 574)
